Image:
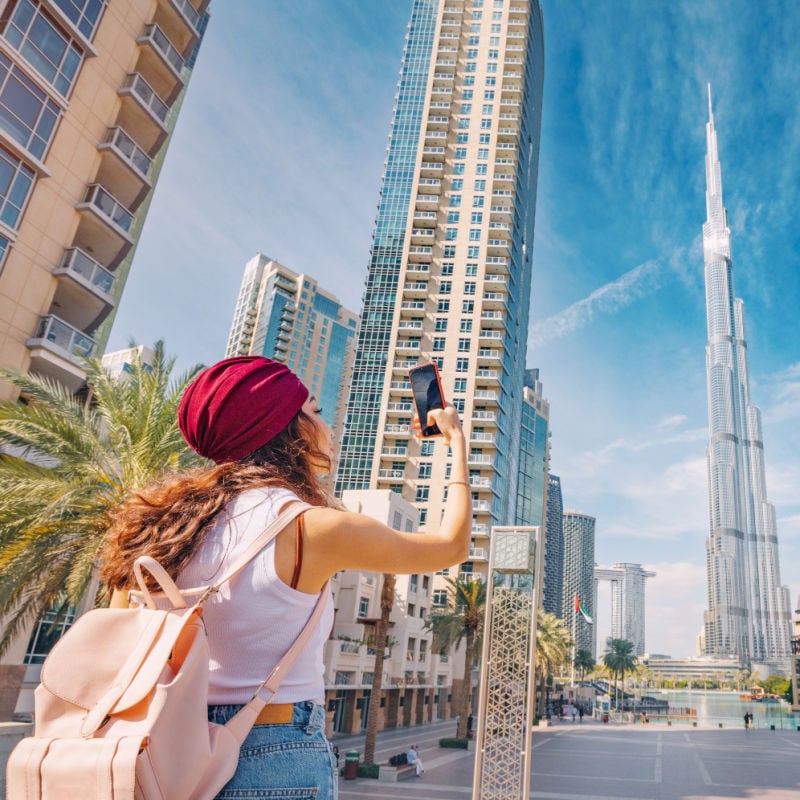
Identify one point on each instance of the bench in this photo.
(389, 774)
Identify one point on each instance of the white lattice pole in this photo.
(504, 736)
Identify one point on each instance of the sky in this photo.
(279, 149)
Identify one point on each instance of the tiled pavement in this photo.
(592, 761)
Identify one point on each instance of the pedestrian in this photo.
(270, 446)
(412, 757)
(574, 714)
(746, 720)
(580, 713)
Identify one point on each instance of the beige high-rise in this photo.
(86, 93)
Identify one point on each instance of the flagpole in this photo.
(574, 641)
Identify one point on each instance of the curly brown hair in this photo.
(170, 518)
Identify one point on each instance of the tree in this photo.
(376, 693)
(463, 621)
(619, 659)
(66, 463)
(553, 649)
(583, 662)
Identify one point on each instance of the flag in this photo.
(579, 608)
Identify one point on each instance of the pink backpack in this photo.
(121, 711)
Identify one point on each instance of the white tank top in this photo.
(254, 618)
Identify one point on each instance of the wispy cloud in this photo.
(608, 299)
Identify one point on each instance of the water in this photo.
(727, 708)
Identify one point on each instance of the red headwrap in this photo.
(239, 404)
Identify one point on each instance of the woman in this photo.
(256, 421)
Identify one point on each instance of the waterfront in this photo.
(728, 708)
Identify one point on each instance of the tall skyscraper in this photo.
(552, 597)
(534, 453)
(288, 316)
(748, 612)
(449, 276)
(88, 90)
(579, 578)
(627, 601)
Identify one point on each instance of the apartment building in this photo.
(89, 91)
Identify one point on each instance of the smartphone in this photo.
(427, 389)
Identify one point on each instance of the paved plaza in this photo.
(593, 761)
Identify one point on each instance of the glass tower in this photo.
(748, 609)
(449, 277)
(579, 578)
(627, 601)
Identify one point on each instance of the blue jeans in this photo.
(292, 761)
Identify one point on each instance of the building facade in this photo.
(449, 277)
(578, 578)
(88, 93)
(627, 602)
(289, 317)
(534, 454)
(553, 594)
(748, 614)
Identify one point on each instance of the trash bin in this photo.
(351, 765)
(605, 716)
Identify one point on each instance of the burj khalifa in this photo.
(748, 614)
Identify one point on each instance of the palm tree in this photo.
(65, 463)
(462, 621)
(553, 649)
(583, 662)
(619, 659)
(376, 693)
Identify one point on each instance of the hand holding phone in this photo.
(426, 387)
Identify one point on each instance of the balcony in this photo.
(434, 153)
(407, 344)
(124, 168)
(430, 185)
(409, 325)
(425, 201)
(396, 430)
(481, 530)
(83, 293)
(180, 21)
(422, 235)
(487, 356)
(413, 305)
(483, 438)
(399, 408)
(493, 319)
(497, 282)
(143, 113)
(104, 227)
(391, 474)
(415, 288)
(430, 169)
(485, 417)
(486, 396)
(394, 451)
(478, 554)
(425, 218)
(160, 62)
(494, 301)
(420, 252)
(57, 349)
(435, 136)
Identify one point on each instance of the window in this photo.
(480, 169)
(473, 53)
(477, 202)
(461, 152)
(455, 200)
(466, 94)
(453, 217)
(485, 138)
(466, 108)
(475, 235)
(3, 250)
(488, 95)
(83, 14)
(469, 80)
(441, 324)
(443, 306)
(457, 184)
(476, 218)
(445, 287)
(423, 492)
(49, 51)
(483, 153)
(471, 270)
(473, 251)
(486, 124)
(458, 404)
(438, 344)
(439, 597)
(53, 624)
(463, 123)
(491, 67)
(16, 181)
(463, 345)
(423, 517)
(487, 109)
(451, 234)
(426, 582)
(468, 307)
(447, 268)
(413, 582)
(426, 448)
(473, 40)
(465, 326)
(458, 169)
(462, 138)
(491, 81)
(471, 66)
(27, 115)
(449, 251)
(493, 54)
(412, 609)
(363, 606)
(460, 385)
(462, 365)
